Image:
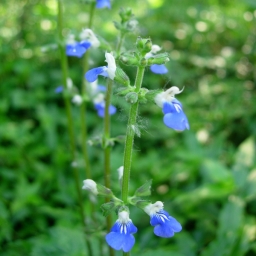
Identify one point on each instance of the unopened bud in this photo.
(129, 59)
(159, 59)
(131, 97)
(121, 77)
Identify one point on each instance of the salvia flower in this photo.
(103, 3)
(76, 49)
(100, 107)
(156, 68)
(89, 36)
(98, 98)
(174, 117)
(109, 71)
(121, 234)
(164, 225)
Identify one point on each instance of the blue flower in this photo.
(103, 3)
(174, 117)
(120, 236)
(100, 107)
(58, 89)
(164, 225)
(159, 69)
(77, 49)
(109, 71)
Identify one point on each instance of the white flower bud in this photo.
(90, 185)
(120, 171)
(111, 65)
(77, 99)
(155, 48)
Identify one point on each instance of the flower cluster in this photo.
(121, 234)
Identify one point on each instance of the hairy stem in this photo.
(131, 128)
(107, 151)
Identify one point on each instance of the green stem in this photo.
(118, 49)
(131, 128)
(107, 151)
(64, 67)
(83, 105)
(85, 65)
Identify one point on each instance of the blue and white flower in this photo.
(108, 71)
(97, 95)
(174, 117)
(76, 49)
(88, 35)
(164, 225)
(103, 3)
(156, 68)
(121, 234)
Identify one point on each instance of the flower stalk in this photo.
(131, 128)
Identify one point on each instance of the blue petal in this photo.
(92, 75)
(120, 241)
(101, 88)
(177, 121)
(159, 69)
(59, 89)
(163, 231)
(175, 224)
(172, 107)
(85, 44)
(75, 50)
(165, 225)
(100, 107)
(103, 3)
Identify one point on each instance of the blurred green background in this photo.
(205, 176)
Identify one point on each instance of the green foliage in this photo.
(206, 176)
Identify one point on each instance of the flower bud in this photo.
(144, 190)
(129, 59)
(143, 45)
(121, 77)
(131, 97)
(96, 189)
(158, 59)
(125, 14)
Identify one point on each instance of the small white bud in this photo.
(90, 185)
(111, 65)
(155, 48)
(77, 99)
(120, 171)
(69, 83)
